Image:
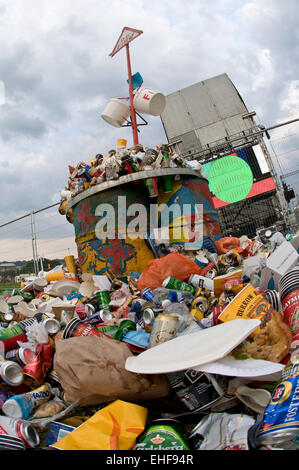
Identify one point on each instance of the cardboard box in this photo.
(284, 258)
(58, 309)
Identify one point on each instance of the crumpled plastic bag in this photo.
(91, 369)
(176, 265)
(49, 409)
(115, 427)
(224, 431)
(225, 244)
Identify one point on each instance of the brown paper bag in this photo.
(92, 370)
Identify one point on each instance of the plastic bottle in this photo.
(255, 280)
(162, 293)
(21, 406)
(179, 309)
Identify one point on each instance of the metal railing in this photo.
(38, 235)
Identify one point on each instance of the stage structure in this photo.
(210, 123)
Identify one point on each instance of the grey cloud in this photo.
(16, 70)
(14, 123)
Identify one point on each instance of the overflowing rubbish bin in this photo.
(186, 345)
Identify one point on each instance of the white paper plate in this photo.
(189, 351)
(15, 299)
(230, 366)
(4, 307)
(65, 287)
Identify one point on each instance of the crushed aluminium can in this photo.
(103, 300)
(147, 294)
(173, 283)
(20, 355)
(85, 311)
(123, 328)
(106, 330)
(78, 328)
(149, 315)
(163, 434)
(36, 371)
(20, 429)
(281, 417)
(52, 326)
(10, 332)
(11, 373)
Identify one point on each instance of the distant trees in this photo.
(7, 275)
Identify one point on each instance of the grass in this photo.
(4, 287)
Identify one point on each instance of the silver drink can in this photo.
(165, 327)
(21, 429)
(90, 310)
(149, 315)
(21, 355)
(52, 326)
(11, 373)
(105, 315)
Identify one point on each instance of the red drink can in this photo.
(21, 429)
(78, 328)
(36, 371)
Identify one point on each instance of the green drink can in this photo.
(166, 158)
(152, 187)
(173, 283)
(124, 327)
(109, 330)
(7, 333)
(167, 182)
(27, 296)
(163, 434)
(103, 299)
(151, 184)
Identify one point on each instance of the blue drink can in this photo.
(147, 294)
(281, 417)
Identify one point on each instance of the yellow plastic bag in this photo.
(115, 427)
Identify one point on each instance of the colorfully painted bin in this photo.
(121, 254)
(190, 191)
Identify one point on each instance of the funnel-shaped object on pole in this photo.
(127, 35)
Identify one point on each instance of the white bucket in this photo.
(149, 102)
(116, 112)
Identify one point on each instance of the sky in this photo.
(57, 78)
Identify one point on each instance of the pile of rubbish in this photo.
(190, 354)
(124, 161)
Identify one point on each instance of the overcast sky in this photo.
(58, 78)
